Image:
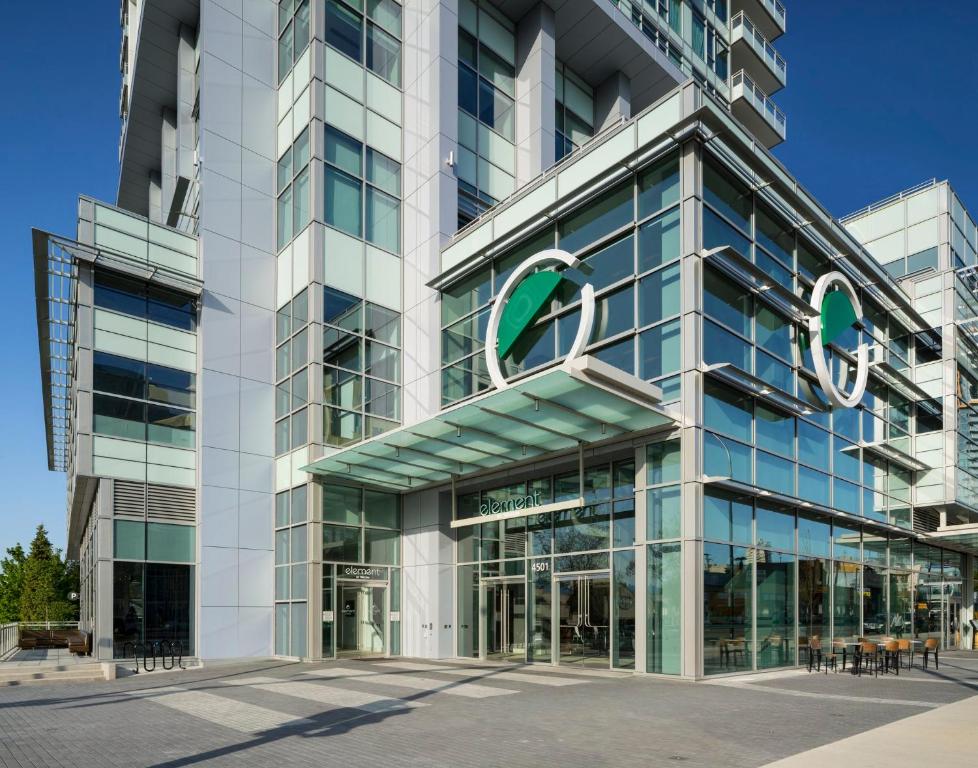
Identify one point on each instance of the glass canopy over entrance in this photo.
(583, 401)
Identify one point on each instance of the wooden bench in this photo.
(79, 642)
(74, 640)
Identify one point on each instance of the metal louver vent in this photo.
(170, 503)
(129, 499)
(926, 520)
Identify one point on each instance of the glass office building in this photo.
(492, 344)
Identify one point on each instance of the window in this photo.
(292, 375)
(361, 368)
(373, 41)
(363, 190)
(293, 190)
(632, 266)
(293, 36)
(361, 526)
(142, 401)
(727, 196)
(574, 113)
(486, 110)
(132, 297)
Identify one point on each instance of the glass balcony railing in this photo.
(777, 12)
(741, 25)
(741, 86)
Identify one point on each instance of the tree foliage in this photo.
(36, 586)
(11, 579)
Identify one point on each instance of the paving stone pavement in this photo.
(419, 713)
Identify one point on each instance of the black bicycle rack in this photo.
(175, 650)
(161, 648)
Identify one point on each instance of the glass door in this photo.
(505, 620)
(584, 619)
(362, 620)
(951, 619)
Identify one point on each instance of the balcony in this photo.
(750, 51)
(759, 114)
(769, 15)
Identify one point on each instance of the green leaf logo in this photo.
(838, 316)
(525, 306)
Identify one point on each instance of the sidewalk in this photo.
(939, 736)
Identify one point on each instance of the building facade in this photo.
(494, 330)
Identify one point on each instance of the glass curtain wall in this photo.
(486, 108)
(581, 559)
(663, 641)
(291, 571)
(361, 368)
(360, 527)
(629, 238)
(817, 456)
(574, 114)
(847, 581)
(153, 584)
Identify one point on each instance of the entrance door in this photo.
(362, 620)
(505, 623)
(584, 605)
(951, 619)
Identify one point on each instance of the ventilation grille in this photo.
(926, 520)
(129, 499)
(166, 502)
(156, 502)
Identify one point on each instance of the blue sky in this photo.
(880, 97)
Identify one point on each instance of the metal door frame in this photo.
(342, 584)
(493, 581)
(949, 600)
(555, 609)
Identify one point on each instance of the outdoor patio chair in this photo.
(931, 645)
(867, 656)
(839, 647)
(891, 656)
(906, 650)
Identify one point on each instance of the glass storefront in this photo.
(361, 587)
(152, 603)
(555, 586)
(563, 586)
(847, 582)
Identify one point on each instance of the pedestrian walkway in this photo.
(45, 657)
(462, 713)
(941, 736)
(409, 691)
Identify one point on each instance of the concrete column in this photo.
(430, 188)
(612, 101)
(691, 437)
(104, 589)
(535, 93)
(641, 562)
(967, 603)
(155, 198)
(186, 96)
(428, 576)
(168, 163)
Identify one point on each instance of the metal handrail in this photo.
(891, 199)
(776, 9)
(761, 100)
(9, 637)
(767, 51)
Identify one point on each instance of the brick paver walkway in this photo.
(419, 713)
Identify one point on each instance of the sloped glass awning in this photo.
(583, 401)
(963, 536)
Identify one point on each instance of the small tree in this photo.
(47, 580)
(11, 583)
